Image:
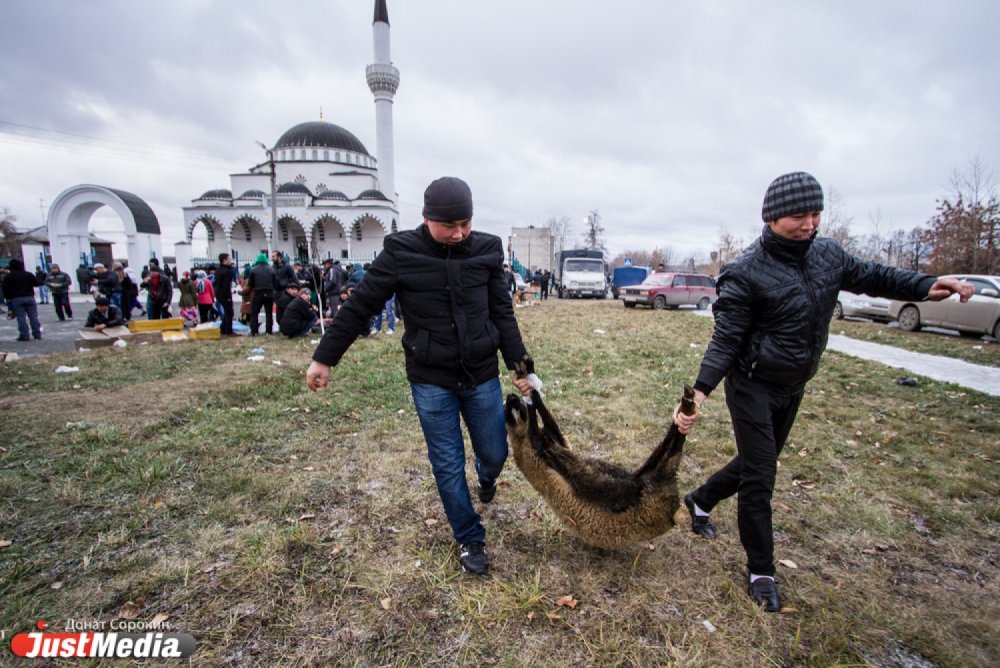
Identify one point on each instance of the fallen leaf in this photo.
(788, 563)
(129, 610)
(335, 551)
(56, 585)
(567, 601)
(553, 616)
(307, 516)
(157, 502)
(531, 616)
(430, 521)
(5, 543)
(309, 468)
(386, 603)
(159, 619)
(651, 547)
(789, 611)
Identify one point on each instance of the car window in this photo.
(680, 281)
(658, 279)
(980, 285)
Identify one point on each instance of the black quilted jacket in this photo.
(455, 308)
(772, 318)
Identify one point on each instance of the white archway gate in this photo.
(69, 220)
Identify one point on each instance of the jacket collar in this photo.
(445, 249)
(789, 250)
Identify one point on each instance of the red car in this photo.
(670, 290)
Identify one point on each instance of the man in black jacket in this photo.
(261, 282)
(449, 281)
(104, 315)
(59, 284)
(19, 291)
(224, 292)
(772, 321)
(299, 317)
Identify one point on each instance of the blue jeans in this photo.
(26, 311)
(482, 408)
(308, 330)
(390, 310)
(43, 294)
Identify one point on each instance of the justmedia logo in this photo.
(102, 644)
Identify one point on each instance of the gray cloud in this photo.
(669, 118)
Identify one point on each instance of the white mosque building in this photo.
(321, 194)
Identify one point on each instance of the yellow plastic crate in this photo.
(207, 334)
(165, 325)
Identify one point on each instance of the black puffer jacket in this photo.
(454, 297)
(772, 319)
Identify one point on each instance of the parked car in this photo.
(850, 305)
(670, 290)
(519, 282)
(980, 315)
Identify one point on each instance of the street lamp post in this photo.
(274, 204)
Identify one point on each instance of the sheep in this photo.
(604, 504)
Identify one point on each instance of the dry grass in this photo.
(282, 527)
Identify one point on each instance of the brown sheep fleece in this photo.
(604, 504)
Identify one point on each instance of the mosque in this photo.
(321, 193)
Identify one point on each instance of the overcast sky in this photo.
(669, 118)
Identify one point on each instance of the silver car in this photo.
(980, 315)
(850, 305)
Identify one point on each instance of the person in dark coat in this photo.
(449, 280)
(104, 315)
(160, 292)
(261, 283)
(283, 299)
(284, 273)
(83, 276)
(772, 320)
(59, 284)
(224, 278)
(43, 288)
(19, 291)
(299, 317)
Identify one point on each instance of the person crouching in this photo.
(299, 317)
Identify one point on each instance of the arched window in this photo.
(246, 231)
(357, 230)
(321, 231)
(315, 154)
(283, 229)
(392, 227)
(326, 155)
(336, 156)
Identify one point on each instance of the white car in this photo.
(519, 282)
(850, 305)
(980, 315)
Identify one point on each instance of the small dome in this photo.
(373, 194)
(332, 194)
(221, 193)
(293, 187)
(322, 134)
(252, 194)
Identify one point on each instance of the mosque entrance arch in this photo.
(69, 225)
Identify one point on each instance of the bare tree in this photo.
(594, 234)
(10, 238)
(836, 222)
(560, 229)
(964, 232)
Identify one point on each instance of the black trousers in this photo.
(762, 418)
(262, 299)
(227, 317)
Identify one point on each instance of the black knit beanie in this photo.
(790, 194)
(448, 199)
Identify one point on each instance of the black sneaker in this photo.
(473, 558)
(700, 524)
(764, 593)
(487, 491)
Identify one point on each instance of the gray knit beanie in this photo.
(790, 194)
(448, 199)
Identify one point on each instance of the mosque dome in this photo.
(332, 194)
(220, 193)
(373, 194)
(293, 187)
(321, 134)
(252, 194)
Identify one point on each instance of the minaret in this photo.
(383, 80)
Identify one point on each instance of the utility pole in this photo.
(274, 204)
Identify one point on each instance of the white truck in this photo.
(581, 273)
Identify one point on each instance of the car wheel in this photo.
(838, 312)
(703, 303)
(629, 304)
(909, 319)
(660, 303)
(996, 331)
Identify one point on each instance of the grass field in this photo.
(283, 527)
